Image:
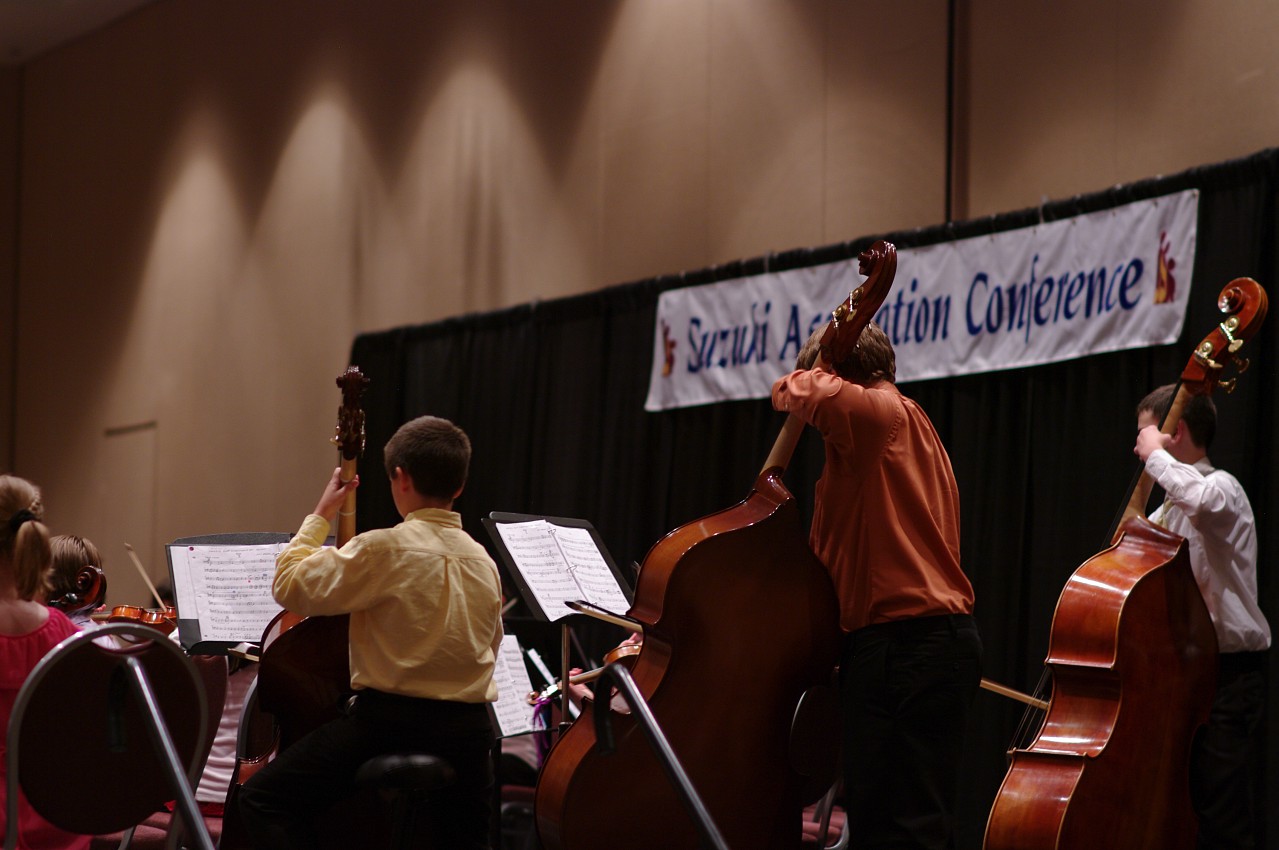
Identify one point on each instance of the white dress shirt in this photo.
(1210, 509)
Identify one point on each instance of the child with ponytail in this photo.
(28, 630)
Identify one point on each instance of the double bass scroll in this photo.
(1246, 304)
(349, 438)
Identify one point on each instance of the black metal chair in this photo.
(164, 830)
(125, 709)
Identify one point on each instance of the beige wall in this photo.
(10, 79)
(1069, 98)
(217, 195)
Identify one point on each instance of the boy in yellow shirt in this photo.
(424, 600)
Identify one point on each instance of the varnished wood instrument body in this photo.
(726, 698)
(1133, 657)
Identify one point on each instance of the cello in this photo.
(1133, 659)
(741, 637)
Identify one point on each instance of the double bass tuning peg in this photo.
(1241, 365)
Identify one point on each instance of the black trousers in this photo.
(1224, 758)
(905, 691)
(280, 803)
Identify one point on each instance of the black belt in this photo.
(1235, 663)
(913, 627)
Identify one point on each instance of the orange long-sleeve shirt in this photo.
(886, 510)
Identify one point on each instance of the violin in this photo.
(164, 620)
(625, 653)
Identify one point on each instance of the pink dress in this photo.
(19, 655)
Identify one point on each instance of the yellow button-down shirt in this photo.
(424, 600)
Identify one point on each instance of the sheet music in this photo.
(561, 564)
(541, 563)
(514, 714)
(591, 571)
(226, 588)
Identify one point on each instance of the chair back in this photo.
(214, 673)
(257, 743)
(77, 710)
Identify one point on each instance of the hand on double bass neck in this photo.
(1149, 440)
(335, 494)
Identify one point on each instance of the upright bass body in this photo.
(725, 680)
(1133, 656)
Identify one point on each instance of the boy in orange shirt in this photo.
(886, 525)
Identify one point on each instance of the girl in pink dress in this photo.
(28, 630)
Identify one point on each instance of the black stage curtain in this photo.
(552, 396)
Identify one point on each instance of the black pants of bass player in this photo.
(905, 690)
(282, 802)
(1224, 760)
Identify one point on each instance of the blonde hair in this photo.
(24, 539)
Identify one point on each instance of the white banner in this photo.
(1107, 281)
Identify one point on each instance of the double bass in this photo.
(741, 637)
(304, 670)
(1133, 658)
(305, 667)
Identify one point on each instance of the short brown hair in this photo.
(434, 452)
(871, 359)
(1199, 413)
